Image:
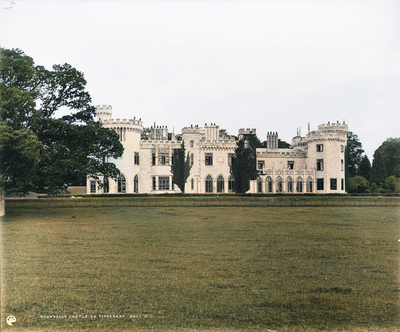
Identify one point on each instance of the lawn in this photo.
(201, 269)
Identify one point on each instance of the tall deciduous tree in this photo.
(181, 166)
(244, 164)
(364, 169)
(40, 151)
(354, 152)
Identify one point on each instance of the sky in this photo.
(269, 65)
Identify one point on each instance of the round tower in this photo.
(103, 112)
(326, 148)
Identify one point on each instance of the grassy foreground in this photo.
(202, 269)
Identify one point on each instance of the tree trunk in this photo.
(2, 202)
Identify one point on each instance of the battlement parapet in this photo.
(247, 131)
(333, 127)
(124, 122)
(104, 107)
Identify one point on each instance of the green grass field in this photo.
(201, 269)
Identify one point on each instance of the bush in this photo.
(358, 184)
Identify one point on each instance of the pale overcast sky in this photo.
(269, 65)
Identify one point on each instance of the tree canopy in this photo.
(40, 151)
(244, 164)
(354, 152)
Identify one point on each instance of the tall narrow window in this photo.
(154, 183)
(92, 187)
(259, 185)
(106, 186)
(231, 184)
(121, 184)
(309, 185)
(341, 165)
(209, 184)
(153, 159)
(341, 184)
(192, 184)
(333, 184)
(209, 159)
(136, 158)
(320, 147)
(320, 184)
(231, 156)
(290, 164)
(320, 164)
(299, 185)
(220, 184)
(289, 185)
(191, 143)
(268, 184)
(136, 184)
(279, 185)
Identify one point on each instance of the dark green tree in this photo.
(64, 148)
(283, 144)
(364, 168)
(358, 184)
(354, 152)
(378, 170)
(180, 167)
(244, 164)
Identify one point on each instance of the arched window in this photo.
(121, 184)
(136, 184)
(279, 185)
(299, 185)
(209, 184)
(259, 185)
(268, 184)
(231, 184)
(289, 185)
(220, 184)
(309, 185)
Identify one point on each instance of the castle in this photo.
(314, 164)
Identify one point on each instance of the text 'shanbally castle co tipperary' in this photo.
(314, 164)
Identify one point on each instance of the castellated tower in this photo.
(129, 132)
(326, 148)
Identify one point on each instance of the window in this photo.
(163, 159)
(268, 184)
(136, 184)
(333, 184)
(341, 165)
(309, 185)
(209, 184)
(299, 185)
(279, 185)
(163, 183)
(92, 187)
(154, 183)
(191, 159)
(220, 184)
(289, 185)
(342, 184)
(320, 184)
(231, 156)
(192, 184)
(153, 159)
(290, 164)
(209, 159)
(259, 185)
(121, 184)
(260, 165)
(320, 147)
(231, 184)
(342, 148)
(106, 186)
(320, 164)
(136, 158)
(191, 143)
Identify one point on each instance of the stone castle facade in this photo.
(314, 164)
